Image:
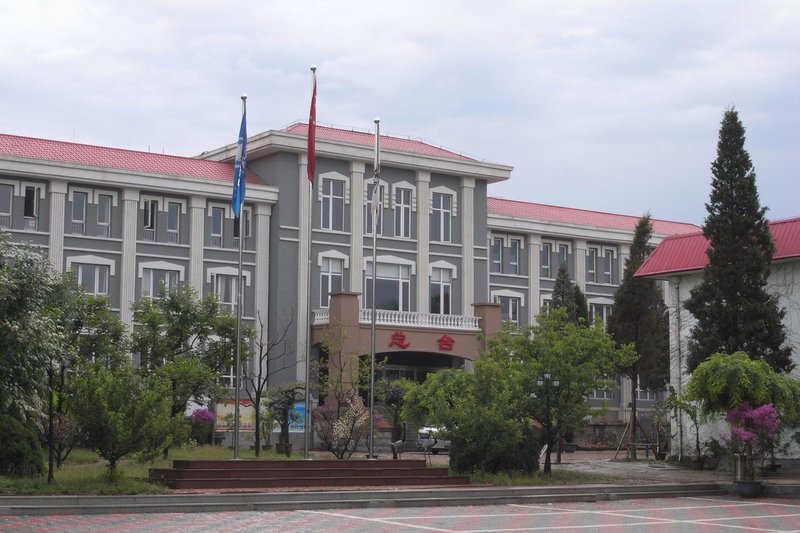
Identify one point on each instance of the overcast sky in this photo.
(611, 106)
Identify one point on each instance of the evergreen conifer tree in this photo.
(640, 317)
(734, 311)
(564, 293)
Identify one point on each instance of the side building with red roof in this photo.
(679, 261)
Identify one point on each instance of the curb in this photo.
(283, 501)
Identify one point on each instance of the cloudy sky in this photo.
(605, 105)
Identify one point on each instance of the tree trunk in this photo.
(257, 408)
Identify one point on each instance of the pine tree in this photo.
(733, 310)
(564, 293)
(581, 305)
(640, 317)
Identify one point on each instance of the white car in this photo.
(427, 435)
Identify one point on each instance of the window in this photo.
(392, 286)
(228, 377)
(402, 212)
(6, 193)
(601, 311)
(644, 394)
(497, 254)
(154, 279)
(173, 221)
(563, 250)
(31, 210)
(79, 200)
(441, 218)
(245, 223)
(440, 290)
(150, 215)
(331, 279)
(368, 210)
(544, 260)
(509, 308)
(513, 256)
(591, 265)
(217, 219)
(225, 290)
(601, 394)
(104, 203)
(607, 263)
(93, 278)
(333, 204)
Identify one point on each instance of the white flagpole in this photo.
(307, 423)
(375, 211)
(236, 364)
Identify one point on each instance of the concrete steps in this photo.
(211, 475)
(342, 499)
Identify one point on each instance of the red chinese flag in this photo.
(312, 133)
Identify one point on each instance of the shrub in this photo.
(20, 451)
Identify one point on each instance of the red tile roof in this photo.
(365, 138)
(569, 215)
(100, 156)
(687, 253)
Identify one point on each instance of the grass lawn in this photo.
(85, 472)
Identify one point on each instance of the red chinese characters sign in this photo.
(400, 339)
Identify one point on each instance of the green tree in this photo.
(564, 293)
(488, 414)
(121, 412)
(581, 305)
(640, 317)
(186, 340)
(30, 332)
(733, 309)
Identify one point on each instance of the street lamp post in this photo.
(547, 383)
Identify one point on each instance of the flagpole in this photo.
(237, 365)
(375, 211)
(312, 119)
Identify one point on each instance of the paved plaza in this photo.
(672, 515)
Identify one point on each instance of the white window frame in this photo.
(327, 275)
(592, 253)
(608, 275)
(78, 225)
(405, 265)
(515, 249)
(32, 220)
(326, 223)
(5, 217)
(403, 217)
(442, 217)
(496, 260)
(332, 255)
(644, 394)
(174, 233)
(92, 261)
(383, 189)
(607, 304)
(546, 267)
(511, 296)
(445, 287)
(212, 273)
(233, 279)
(150, 223)
(104, 226)
(158, 265)
(97, 290)
(247, 223)
(217, 237)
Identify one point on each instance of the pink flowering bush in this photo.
(341, 428)
(202, 421)
(753, 430)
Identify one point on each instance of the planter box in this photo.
(749, 489)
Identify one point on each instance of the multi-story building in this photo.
(451, 262)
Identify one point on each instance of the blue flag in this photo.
(240, 167)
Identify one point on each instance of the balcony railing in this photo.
(405, 318)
